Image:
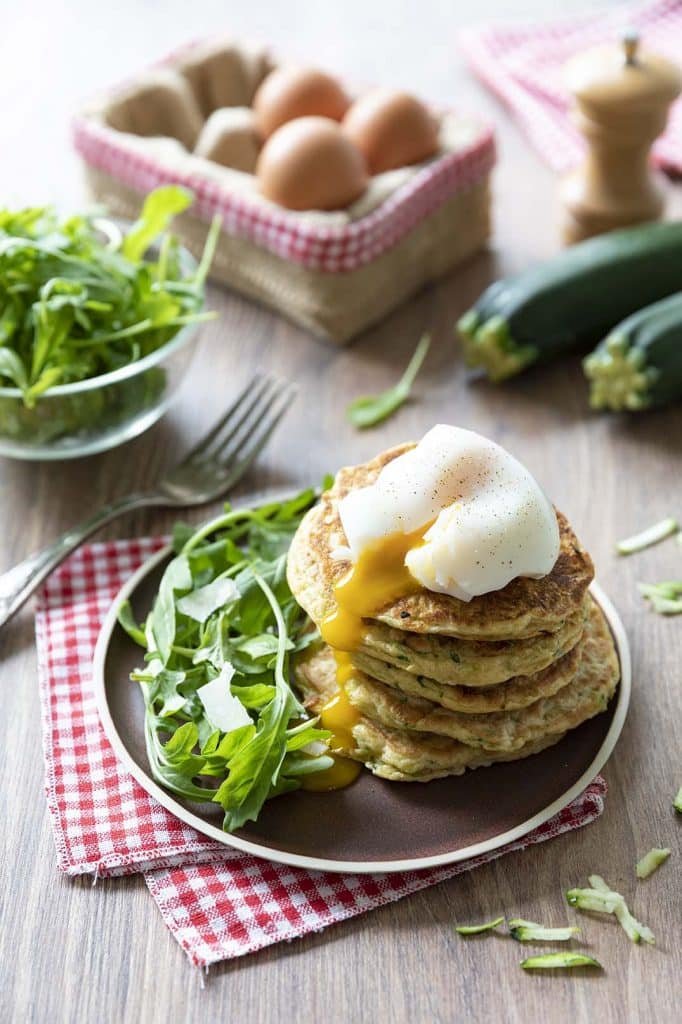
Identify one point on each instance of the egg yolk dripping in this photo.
(378, 577)
(338, 716)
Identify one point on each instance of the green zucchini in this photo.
(639, 364)
(571, 301)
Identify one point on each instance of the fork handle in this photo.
(17, 585)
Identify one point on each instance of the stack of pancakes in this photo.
(439, 685)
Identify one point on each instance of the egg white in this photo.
(490, 520)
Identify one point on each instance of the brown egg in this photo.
(309, 164)
(290, 92)
(391, 129)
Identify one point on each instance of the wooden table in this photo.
(71, 952)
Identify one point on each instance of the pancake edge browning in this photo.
(585, 695)
(452, 661)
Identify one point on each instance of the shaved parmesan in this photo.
(223, 710)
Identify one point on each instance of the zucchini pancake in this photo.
(454, 627)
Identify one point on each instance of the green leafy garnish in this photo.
(222, 722)
(665, 597)
(529, 931)
(552, 961)
(75, 305)
(369, 410)
(651, 861)
(129, 623)
(677, 802)
(158, 210)
(652, 535)
(601, 899)
(478, 929)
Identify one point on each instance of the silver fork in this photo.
(210, 469)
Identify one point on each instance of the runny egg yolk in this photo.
(338, 716)
(378, 577)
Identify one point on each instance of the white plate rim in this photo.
(168, 801)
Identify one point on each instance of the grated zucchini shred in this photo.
(479, 929)
(529, 931)
(665, 597)
(552, 961)
(652, 535)
(601, 899)
(651, 861)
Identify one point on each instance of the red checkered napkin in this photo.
(523, 64)
(218, 903)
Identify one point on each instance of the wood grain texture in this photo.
(70, 952)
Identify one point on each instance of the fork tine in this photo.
(238, 430)
(229, 443)
(255, 388)
(238, 460)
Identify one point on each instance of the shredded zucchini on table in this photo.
(651, 861)
(665, 597)
(552, 961)
(601, 899)
(479, 929)
(652, 535)
(529, 931)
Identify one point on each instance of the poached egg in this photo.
(456, 514)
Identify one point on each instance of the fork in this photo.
(211, 468)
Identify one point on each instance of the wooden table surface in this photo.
(71, 952)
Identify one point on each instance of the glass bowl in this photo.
(89, 416)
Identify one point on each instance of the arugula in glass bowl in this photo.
(87, 313)
(222, 723)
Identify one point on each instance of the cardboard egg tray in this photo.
(335, 273)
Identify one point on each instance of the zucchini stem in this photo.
(489, 346)
(619, 379)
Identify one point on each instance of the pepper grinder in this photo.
(622, 96)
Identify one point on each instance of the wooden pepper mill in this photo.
(622, 97)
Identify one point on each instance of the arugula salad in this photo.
(79, 298)
(222, 723)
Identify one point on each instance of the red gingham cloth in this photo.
(523, 65)
(218, 903)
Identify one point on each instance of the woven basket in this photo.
(334, 273)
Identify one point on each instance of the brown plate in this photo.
(373, 825)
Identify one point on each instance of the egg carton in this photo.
(335, 273)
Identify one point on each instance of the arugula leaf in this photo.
(255, 768)
(76, 305)
(12, 367)
(368, 410)
(309, 735)
(127, 621)
(176, 577)
(254, 696)
(178, 751)
(224, 625)
(162, 690)
(158, 210)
